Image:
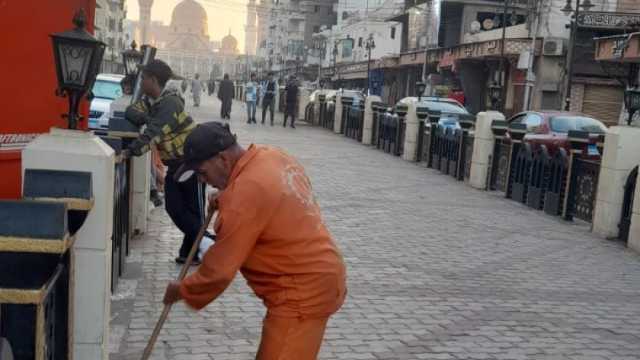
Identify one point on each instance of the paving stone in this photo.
(436, 270)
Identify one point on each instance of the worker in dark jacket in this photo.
(226, 94)
(167, 126)
(291, 101)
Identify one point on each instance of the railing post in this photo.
(401, 138)
(517, 133)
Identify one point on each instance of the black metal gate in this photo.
(557, 184)
(521, 173)
(627, 204)
(583, 189)
(539, 177)
(500, 165)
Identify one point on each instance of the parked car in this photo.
(550, 128)
(106, 89)
(451, 110)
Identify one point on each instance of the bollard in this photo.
(71, 150)
(337, 114)
(620, 156)
(483, 147)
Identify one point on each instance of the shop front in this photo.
(620, 56)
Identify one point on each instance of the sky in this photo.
(222, 14)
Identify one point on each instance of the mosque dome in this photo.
(229, 44)
(189, 17)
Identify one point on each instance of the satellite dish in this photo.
(488, 24)
(475, 27)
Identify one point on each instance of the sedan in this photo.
(451, 110)
(550, 128)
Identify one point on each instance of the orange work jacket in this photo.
(269, 227)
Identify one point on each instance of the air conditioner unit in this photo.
(553, 47)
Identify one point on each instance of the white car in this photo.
(106, 89)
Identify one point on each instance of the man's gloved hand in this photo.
(137, 113)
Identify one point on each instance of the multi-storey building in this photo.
(285, 31)
(109, 28)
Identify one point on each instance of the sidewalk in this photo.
(436, 270)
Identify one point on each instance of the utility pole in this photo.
(503, 59)
(531, 78)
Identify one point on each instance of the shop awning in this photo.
(619, 48)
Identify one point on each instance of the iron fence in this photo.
(377, 110)
(539, 176)
(355, 120)
(346, 108)
(121, 211)
(556, 184)
(583, 187)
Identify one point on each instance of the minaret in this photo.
(145, 19)
(251, 31)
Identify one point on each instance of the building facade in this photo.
(109, 28)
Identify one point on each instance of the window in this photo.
(107, 89)
(563, 124)
(533, 121)
(360, 42)
(316, 9)
(316, 29)
(112, 24)
(518, 119)
(393, 32)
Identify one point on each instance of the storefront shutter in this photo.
(603, 103)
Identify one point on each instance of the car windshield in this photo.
(564, 124)
(107, 90)
(445, 107)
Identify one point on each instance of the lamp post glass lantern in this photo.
(420, 88)
(131, 58)
(495, 92)
(78, 56)
(632, 102)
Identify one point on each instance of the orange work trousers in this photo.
(291, 338)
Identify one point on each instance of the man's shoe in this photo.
(293, 126)
(181, 260)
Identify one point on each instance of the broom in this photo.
(183, 273)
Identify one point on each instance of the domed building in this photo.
(185, 44)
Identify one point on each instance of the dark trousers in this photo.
(270, 105)
(185, 205)
(225, 108)
(290, 111)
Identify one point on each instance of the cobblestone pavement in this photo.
(437, 270)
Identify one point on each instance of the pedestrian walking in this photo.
(269, 98)
(211, 86)
(269, 227)
(196, 90)
(251, 97)
(167, 126)
(226, 94)
(291, 101)
(184, 86)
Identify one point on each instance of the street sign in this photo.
(607, 20)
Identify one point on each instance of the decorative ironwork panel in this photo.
(586, 187)
(500, 166)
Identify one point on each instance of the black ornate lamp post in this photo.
(370, 45)
(569, 11)
(632, 102)
(420, 88)
(78, 56)
(495, 93)
(131, 58)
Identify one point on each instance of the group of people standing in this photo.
(265, 91)
(255, 93)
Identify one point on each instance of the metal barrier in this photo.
(556, 185)
(378, 110)
(121, 212)
(499, 172)
(627, 204)
(391, 134)
(538, 179)
(355, 120)
(347, 101)
(401, 126)
(521, 173)
(584, 172)
(309, 114)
